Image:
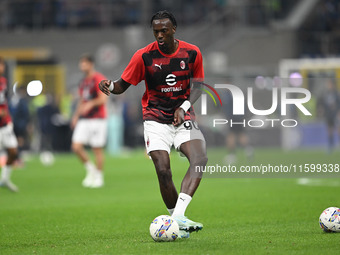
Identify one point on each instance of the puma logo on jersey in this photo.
(159, 66)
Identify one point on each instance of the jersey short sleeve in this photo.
(135, 71)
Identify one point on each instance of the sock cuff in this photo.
(182, 204)
(185, 196)
(6, 167)
(99, 173)
(6, 172)
(89, 166)
(171, 211)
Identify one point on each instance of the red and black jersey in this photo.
(167, 79)
(5, 116)
(89, 90)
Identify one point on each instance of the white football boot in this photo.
(183, 234)
(87, 182)
(187, 225)
(9, 185)
(98, 180)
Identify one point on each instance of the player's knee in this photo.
(12, 153)
(76, 147)
(199, 160)
(164, 174)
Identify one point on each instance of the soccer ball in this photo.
(330, 219)
(164, 229)
(47, 158)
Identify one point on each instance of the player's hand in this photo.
(104, 87)
(178, 117)
(85, 108)
(2, 112)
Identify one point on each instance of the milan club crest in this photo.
(182, 64)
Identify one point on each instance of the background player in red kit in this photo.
(89, 123)
(169, 68)
(7, 136)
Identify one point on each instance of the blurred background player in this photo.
(7, 136)
(169, 67)
(90, 123)
(237, 134)
(19, 110)
(330, 106)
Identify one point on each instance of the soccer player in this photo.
(172, 69)
(330, 107)
(89, 123)
(237, 134)
(7, 136)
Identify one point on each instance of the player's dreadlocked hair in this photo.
(164, 15)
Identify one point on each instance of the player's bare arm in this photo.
(117, 87)
(75, 116)
(195, 92)
(87, 106)
(178, 117)
(194, 95)
(84, 107)
(2, 112)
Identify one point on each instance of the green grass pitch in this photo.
(53, 214)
